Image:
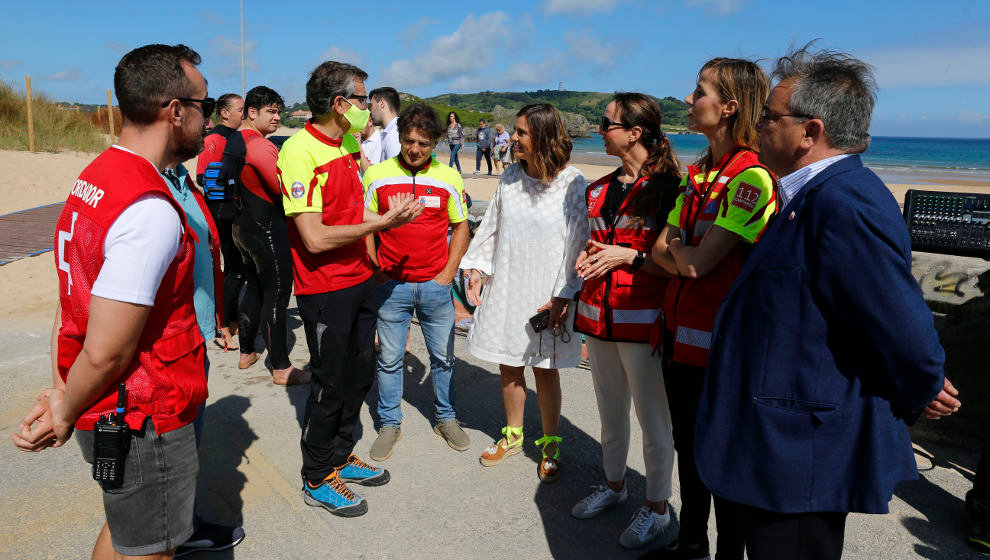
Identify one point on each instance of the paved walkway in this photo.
(440, 503)
(28, 232)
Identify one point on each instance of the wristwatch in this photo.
(638, 260)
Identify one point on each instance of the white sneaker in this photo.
(647, 525)
(598, 501)
(477, 172)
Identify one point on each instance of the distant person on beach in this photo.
(455, 139)
(385, 105)
(727, 199)
(484, 147)
(208, 285)
(230, 109)
(415, 267)
(500, 150)
(824, 350)
(527, 244)
(324, 201)
(261, 234)
(125, 257)
(620, 301)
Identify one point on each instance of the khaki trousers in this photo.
(625, 372)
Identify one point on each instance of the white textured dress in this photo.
(528, 242)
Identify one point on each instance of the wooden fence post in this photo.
(30, 116)
(110, 117)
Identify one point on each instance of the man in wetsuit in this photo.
(230, 111)
(261, 235)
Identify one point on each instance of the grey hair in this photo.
(329, 80)
(834, 87)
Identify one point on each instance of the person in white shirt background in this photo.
(385, 105)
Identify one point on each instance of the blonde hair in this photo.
(551, 143)
(744, 81)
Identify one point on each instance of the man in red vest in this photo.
(124, 254)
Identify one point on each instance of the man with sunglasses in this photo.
(125, 258)
(324, 201)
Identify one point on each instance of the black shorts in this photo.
(152, 511)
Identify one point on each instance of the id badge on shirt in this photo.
(430, 201)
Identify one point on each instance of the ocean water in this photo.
(902, 157)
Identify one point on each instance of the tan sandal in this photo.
(502, 448)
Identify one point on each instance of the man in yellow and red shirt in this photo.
(324, 201)
(417, 265)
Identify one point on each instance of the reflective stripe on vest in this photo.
(694, 337)
(597, 224)
(635, 316)
(589, 311)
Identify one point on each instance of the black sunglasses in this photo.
(767, 116)
(607, 124)
(360, 98)
(207, 104)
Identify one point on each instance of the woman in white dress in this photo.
(533, 230)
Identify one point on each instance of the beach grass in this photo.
(56, 128)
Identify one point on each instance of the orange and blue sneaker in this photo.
(334, 496)
(357, 471)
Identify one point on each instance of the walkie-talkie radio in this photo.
(111, 441)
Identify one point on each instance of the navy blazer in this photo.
(823, 352)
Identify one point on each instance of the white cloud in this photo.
(341, 55)
(211, 17)
(8, 63)
(411, 33)
(472, 47)
(970, 118)
(225, 56)
(584, 48)
(579, 6)
(720, 7)
(931, 66)
(70, 75)
(543, 73)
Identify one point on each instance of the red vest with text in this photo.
(690, 305)
(165, 379)
(624, 304)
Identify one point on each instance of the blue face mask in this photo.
(358, 118)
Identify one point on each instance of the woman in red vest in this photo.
(727, 198)
(620, 302)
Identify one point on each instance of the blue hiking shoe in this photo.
(334, 496)
(357, 471)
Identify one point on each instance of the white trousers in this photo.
(625, 372)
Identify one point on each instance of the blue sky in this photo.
(932, 58)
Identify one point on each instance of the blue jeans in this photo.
(435, 309)
(454, 148)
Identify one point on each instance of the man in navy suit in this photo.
(823, 351)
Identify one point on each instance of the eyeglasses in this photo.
(359, 98)
(767, 116)
(207, 104)
(608, 124)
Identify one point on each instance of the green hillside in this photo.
(589, 104)
(472, 107)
